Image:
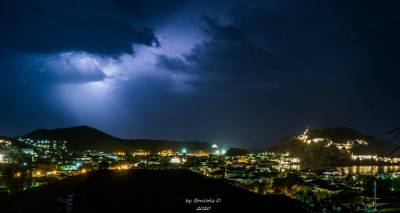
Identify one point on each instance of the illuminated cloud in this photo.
(70, 67)
(91, 86)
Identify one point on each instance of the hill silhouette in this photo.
(334, 146)
(81, 138)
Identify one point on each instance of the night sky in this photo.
(236, 73)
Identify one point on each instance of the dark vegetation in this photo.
(144, 191)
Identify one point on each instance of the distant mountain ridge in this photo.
(81, 138)
(334, 146)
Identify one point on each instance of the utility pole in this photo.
(375, 205)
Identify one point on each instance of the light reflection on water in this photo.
(348, 169)
(368, 169)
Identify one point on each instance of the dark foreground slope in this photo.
(145, 191)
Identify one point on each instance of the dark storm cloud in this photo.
(107, 27)
(311, 63)
(230, 60)
(297, 43)
(149, 9)
(217, 31)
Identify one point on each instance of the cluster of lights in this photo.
(121, 167)
(217, 150)
(375, 158)
(141, 153)
(350, 143)
(71, 167)
(347, 146)
(199, 153)
(5, 143)
(220, 152)
(119, 153)
(37, 174)
(44, 148)
(177, 160)
(166, 153)
(45, 144)
(4, 158)
(54, 172)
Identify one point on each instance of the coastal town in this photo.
(32, 163)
